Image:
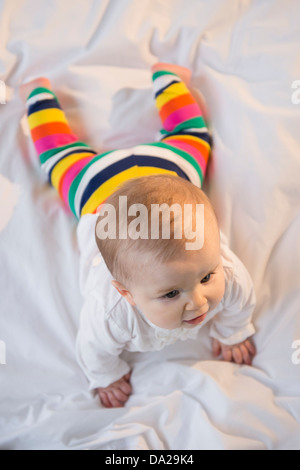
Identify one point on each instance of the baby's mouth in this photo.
(196, 320)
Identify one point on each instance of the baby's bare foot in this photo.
(28, 87)
(183, 73)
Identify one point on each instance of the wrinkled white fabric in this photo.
(110, 325)
(244, 56)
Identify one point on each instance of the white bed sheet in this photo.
(245, 58)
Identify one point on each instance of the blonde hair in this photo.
(122, 256)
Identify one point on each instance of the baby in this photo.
(162, 275)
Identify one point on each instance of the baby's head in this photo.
(159, 238)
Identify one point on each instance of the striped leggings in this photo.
(85, 179)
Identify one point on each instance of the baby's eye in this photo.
(206, 279)
(172, 294)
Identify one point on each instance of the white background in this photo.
(245, 56)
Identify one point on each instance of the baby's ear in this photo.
(123, 291)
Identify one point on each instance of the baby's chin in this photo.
(168, 327)
(177, 326)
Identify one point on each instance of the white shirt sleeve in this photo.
(100, 341)
(233, 324)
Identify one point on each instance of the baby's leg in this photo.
(62, 155)
(83, 179)
(184, 129)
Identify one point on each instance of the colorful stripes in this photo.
(84, 179)
(183, 125)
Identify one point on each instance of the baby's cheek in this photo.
(164, 317)
(153, 314)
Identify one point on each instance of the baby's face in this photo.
(182, 292)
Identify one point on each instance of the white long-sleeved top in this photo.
(110, 325)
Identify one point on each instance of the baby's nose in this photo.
(197, 299)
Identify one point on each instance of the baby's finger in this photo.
(237, 355)
(125, 387)
(250, 346)
(104, 400)
(115, 403)
(121, 396)
(245, 354)
(216, 347)
(227, 355)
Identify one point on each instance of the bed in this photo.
(245, 60)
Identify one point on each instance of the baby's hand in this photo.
(116, 394)
(241, 353)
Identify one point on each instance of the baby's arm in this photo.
(99, 344)
(232, 327)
